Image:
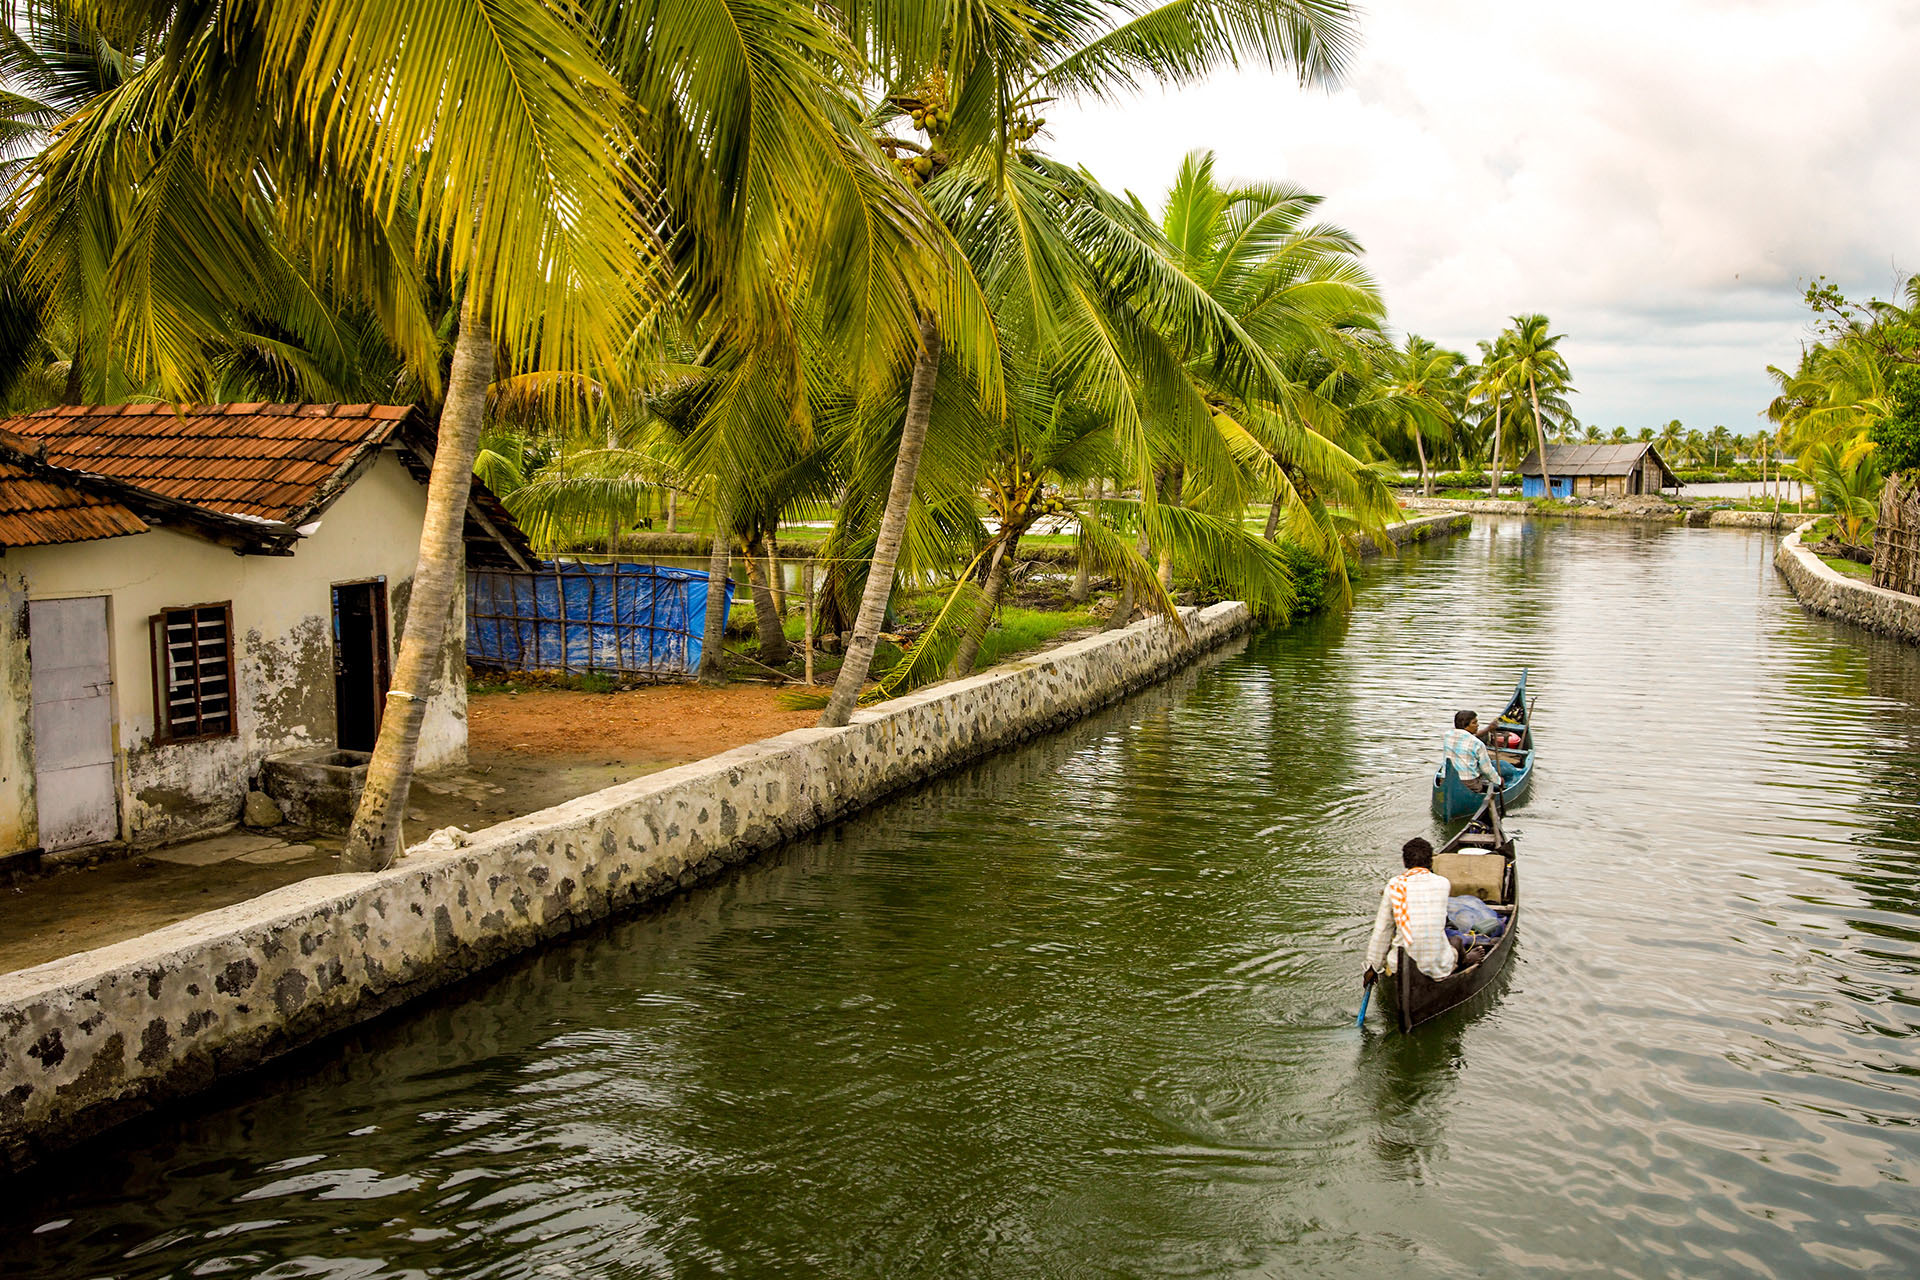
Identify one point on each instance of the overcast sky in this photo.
(1661, 177)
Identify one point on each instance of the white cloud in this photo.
(1662, 177)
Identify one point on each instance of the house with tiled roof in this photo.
(186, 590)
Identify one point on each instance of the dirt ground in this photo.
(536, 748)
(663, 724)
(528, 751)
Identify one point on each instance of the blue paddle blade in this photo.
(1365, 996)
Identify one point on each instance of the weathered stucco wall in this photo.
(1831, 594)
(282, 619)
(97, 1037)
(18, 823)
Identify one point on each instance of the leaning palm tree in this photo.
(306, 141)
(973, 83)
(1299, 294)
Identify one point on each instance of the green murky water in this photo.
(1087, 1009)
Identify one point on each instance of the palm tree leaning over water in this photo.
(985, 81)
(1298, 295)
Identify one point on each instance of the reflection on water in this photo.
(1087, 1009)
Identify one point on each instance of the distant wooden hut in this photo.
(1598, 471)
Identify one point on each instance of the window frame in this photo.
(163, 670)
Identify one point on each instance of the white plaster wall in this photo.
(282, 609)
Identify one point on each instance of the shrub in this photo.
(1309, 573)
(1896, 437)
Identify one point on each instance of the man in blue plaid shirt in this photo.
(1468, 754)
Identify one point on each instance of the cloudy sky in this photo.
(1661, 177)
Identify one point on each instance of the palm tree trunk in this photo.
(776, 582)
(1420, 449)
(1083, 572)
(893, 530)
(1540, 439)
(766, 611)
(1172, 484)
(673, 511)
(1494, 491)
(1272, 532)
(997, 575)
(713, 635)
(1123, 611)
(374, 838)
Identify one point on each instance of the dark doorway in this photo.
(360, 664)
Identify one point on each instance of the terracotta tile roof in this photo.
(263, 461)
(40, 506)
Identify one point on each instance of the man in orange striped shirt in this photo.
(1413, 914)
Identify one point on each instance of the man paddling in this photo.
(1413, 915)
(1467, 752)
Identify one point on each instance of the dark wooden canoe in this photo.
(1451, 797)
(1413, 996)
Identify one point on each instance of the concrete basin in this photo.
(316, 787)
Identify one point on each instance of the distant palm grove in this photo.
(738, 264)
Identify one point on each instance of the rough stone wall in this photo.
(1831, 594)
(1419, 530)
(1751, 519)
(98, 1037)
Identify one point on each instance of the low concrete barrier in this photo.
(1419, 530)
(96, 1038)
(1826, 591)
(1729, 519)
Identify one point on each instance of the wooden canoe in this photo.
(1416, 998)
(1453, 799)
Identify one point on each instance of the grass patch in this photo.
(1024, 629)
(480, 685)
(1851, 568)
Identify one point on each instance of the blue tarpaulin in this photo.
(565, 616)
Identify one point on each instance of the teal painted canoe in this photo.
(1451, 797)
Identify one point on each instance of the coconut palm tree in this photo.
(1298, 293)
(1417, 381)
(219, 154)
(1536, 364)
(1671, 439)
(1492, 383)
(1719, 439)
(974, 89)
(1846, 481)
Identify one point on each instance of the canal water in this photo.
(1086, 1009)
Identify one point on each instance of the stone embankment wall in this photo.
(95, 1038)
(1831, 594)
(1419, 530)
(1650, 511)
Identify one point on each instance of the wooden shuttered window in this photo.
(193, 682)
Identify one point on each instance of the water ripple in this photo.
(1086, 1009)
